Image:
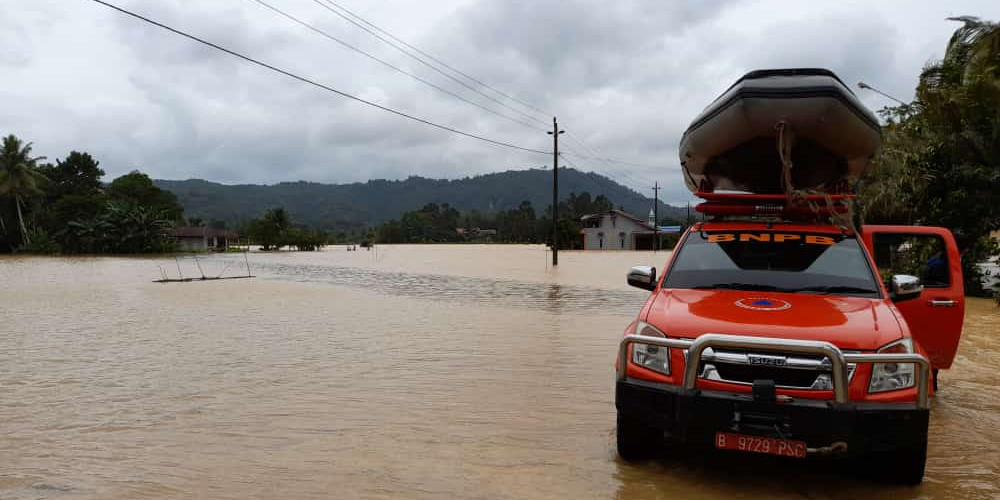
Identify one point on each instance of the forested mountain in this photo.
(348, 207)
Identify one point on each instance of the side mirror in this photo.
(642, 277)
(905, 287)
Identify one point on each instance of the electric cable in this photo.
(347, 15)
(390, 65)
(314, 83)
(439, 61)
(425, 63)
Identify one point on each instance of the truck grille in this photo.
(780, 376)
(791, 371)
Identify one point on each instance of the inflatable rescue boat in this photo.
(803, 125)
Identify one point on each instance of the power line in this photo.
(591, 150)
(599, 156)
(622, 172)
(373, 104)
(314, 83)
(629, 185)
(346, 17)
(442, 63)
(619, 177)
(389, 65)
(578, 155)
(425, 63)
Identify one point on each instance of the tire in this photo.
(637, 441)
(900, 466)
(935, 380)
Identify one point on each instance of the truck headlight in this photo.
(653, 357)
(893, 376)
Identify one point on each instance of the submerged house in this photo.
(616, 230)
(197, 238)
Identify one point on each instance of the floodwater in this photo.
(425, 372)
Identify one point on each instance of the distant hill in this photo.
(360, 205)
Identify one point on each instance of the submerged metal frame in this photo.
(838, 359)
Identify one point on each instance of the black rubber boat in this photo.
(733, 144)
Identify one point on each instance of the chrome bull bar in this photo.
(838, 359)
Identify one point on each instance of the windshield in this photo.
(773, 261)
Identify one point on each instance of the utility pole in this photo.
(656, 214)
(555, 190)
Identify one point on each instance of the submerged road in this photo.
(418, 372)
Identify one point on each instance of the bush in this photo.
(41, 243)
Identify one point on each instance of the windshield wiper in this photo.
(742, 286)
(833, 289)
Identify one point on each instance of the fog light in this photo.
(824, 382)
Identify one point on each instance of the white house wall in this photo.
(192, 244)
(617, 234)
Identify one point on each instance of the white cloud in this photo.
(624, 76)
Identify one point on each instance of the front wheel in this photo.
(636, 440)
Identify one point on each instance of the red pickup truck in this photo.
(792, 338)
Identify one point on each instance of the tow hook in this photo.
(837, 448)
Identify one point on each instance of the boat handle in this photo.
(942, 303)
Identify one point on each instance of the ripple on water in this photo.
(437, 372)
(470, 290)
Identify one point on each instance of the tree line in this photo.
(434, 223)
(65, 208)
(355, 208)
(275, 230)
(940, 158)
(939, 165)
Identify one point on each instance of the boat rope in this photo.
(845, 219)
(785, 140)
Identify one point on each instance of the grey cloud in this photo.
(624, 76)
(548, 48)
(15, 48)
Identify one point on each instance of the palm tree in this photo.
(18, 176)
(976, 46)
(940, 161)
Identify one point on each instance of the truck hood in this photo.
(852, 323)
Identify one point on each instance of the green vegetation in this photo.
(19, 179)
(438, 223)
(430, 224)
(939, 165)
(940, 161)
(274, 230)
(65, 208)
(354, 208)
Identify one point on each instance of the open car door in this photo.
(929, 253)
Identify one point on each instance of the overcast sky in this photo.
(625, 77)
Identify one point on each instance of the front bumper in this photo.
(694, 416)
(689, 414)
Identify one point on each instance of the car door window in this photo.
(921, 255)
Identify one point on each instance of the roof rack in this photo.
(781, 206)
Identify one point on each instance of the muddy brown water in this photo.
(421, 372)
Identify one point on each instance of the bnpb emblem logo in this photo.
(763, 304)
